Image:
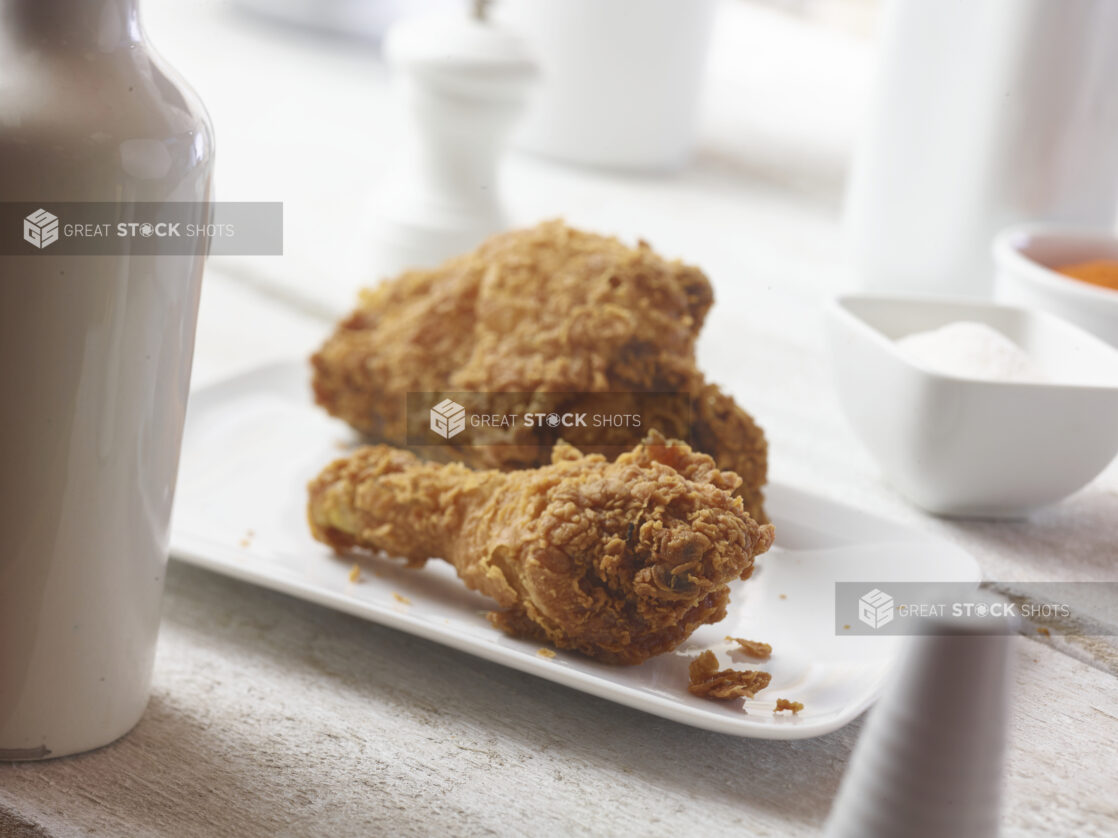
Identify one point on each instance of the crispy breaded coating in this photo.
(543, 310)
(785, 704)
(752, 648)
(708, 681)
(618, 560)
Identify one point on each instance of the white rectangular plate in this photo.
(254, 441)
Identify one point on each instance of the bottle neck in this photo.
(99, 25)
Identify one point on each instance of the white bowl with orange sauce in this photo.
(1027, 258)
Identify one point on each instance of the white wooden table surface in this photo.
(274, 717)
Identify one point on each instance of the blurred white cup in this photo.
(620, 80)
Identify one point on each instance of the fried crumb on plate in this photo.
(708, 681)
(401, 598)
(355, 573)
(545, 653)
(1044, 631)
(785, 704)
(752, 648)
(784, 596)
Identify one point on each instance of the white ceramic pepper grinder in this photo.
(929, 761)
(461, 82)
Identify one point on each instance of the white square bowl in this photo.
(965, 447)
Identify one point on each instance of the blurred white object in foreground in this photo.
(621, 80)
(986, 112)
(460, 84)
(929, 761)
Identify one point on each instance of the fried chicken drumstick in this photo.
(544, 310)
(618, 560)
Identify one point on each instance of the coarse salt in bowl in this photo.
(967, 349)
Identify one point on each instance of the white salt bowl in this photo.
(970, 448)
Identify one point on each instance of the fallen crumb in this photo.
(355, 573)
(545, 653)
(708, 681)
(246, 541)
(401, 598)
(752, 648)
(1043, 630)
(847, 626)
(785, 704)
(784, 596)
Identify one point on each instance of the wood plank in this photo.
(274, 717)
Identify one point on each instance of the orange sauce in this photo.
(1100, 272)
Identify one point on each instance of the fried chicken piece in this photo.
(618, 560)
(545, 310)
(708, 681)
